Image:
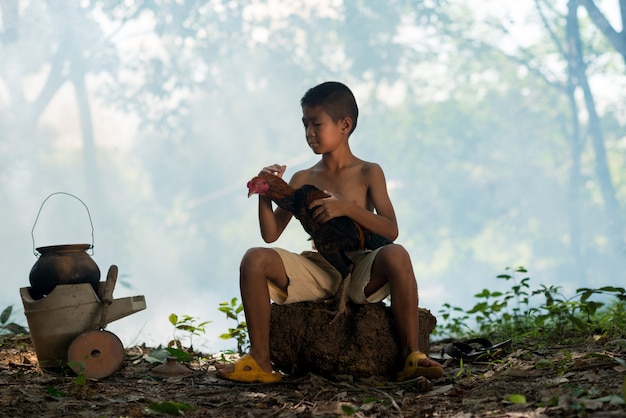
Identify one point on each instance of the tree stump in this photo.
(362, 343)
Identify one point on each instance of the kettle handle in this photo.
(32, 232)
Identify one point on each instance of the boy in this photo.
(358, 190)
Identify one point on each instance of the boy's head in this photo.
(335, 99)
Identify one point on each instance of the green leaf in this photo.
(55, 392)
(179, 354)
(173, 319)
(349, 409)
(15, 328)
(612, 289)
(81, 380)
(578, 323)
(6, 313)
(159, 354)
(516, 399)
(184, 327)
(168, 407)
(153, 360)
(544, 364)
(612, 399)
(77, 366)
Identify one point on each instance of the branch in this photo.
(551, 32)
(617, 39)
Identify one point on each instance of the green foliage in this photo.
(7, 327)
(515, 399)
(187, 324)
(465, 370)
(55, 393)
(180, 355)
(79, 368)
(578, 397)
(233, 310)
(169, 408)
(160, 355)
(349, 410)
(514, 313)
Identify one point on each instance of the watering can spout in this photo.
(123, 306)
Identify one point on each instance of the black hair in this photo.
(335, 98)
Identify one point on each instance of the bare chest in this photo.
(349, 188)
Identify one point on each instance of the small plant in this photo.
(465, 370)
(7, 327)
(233, 311)
(511, 314)
(78, 367)
(455, 325)
(187, 324)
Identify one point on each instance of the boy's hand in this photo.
(275, 169)
(327, 208)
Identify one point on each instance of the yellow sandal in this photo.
(247, 370)
(412, 369)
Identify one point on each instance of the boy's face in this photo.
(322, 133)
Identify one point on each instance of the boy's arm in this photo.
(383, 220)
(272, 222)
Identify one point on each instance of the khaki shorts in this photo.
(312, 278)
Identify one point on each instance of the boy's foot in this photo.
(418, 364)
(247, 370)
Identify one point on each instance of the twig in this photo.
(388, 396)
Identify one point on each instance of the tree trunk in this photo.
(577, 67)
(362, 343)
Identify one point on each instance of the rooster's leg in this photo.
(342, 299)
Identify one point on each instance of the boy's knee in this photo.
(255, 258)
(393, 254)
(250, 259)
(394, 259)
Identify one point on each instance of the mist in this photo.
(155, 117)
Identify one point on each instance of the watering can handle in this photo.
(32, 232)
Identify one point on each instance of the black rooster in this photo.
(334, 240)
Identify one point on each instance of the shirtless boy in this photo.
(358, 190)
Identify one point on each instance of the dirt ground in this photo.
(581, 380)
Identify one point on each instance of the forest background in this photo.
(501, 127)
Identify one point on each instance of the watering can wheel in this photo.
(96, 354)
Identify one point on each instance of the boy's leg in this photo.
(393, 265)
(258, 266)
